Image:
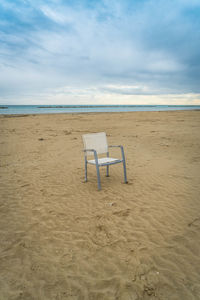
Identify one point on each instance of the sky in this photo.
(100, 52)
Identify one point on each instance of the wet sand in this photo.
(61, 238)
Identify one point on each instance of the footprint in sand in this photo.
(122, 213)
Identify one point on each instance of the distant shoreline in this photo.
(91, 113)
(79, 109)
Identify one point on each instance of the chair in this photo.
(95, 144)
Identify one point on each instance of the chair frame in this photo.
(105, 164)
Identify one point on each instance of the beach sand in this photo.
(61, 238)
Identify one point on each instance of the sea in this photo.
(55, 109)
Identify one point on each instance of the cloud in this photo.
(53, 15)
(125, 48)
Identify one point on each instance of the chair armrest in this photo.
(122, 149)
(95, 154)
(91, 150)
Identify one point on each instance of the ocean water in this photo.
(46, 109)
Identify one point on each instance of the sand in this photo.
(61, 238)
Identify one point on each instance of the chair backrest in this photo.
(96, 141)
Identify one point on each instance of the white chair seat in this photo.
(105, 161)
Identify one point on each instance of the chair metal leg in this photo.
(98, 177)
(97, 168)
(107, 171)
(125, 176)
(85, 170)
(107, 167)
(124, 164)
